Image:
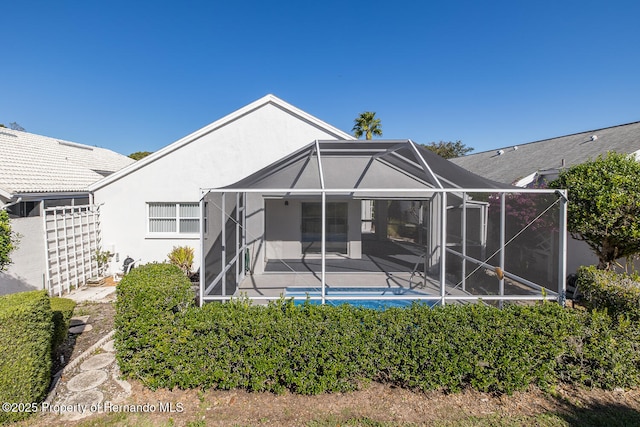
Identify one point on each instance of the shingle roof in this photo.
(548, 154)
(32, 163)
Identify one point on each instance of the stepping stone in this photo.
(80, 401)
(88, 397)
(80, 329)
(79, 320)
(98, 361)
(126, 386)
(87, 380)
(109, 346)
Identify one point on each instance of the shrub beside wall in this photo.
(62, 309)
(611, 291)
(148, 299)
(25, 349)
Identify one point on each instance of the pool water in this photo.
(300, 295)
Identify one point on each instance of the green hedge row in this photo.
(617, 293)
(165, 341)
(26, 330)
(62, 309)
(32, 325)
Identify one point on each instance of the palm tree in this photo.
(368, 125)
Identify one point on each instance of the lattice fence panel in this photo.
(72, 237)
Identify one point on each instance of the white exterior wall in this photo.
(29, 264)
(579, 254)
(255, 232)
(284, 223)
(354, 229)
(221, 157)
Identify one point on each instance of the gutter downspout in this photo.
(4, 207)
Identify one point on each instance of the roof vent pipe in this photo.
(594, 137)
(500, 152)
(562, 162)
(515, 148)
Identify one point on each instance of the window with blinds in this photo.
(182, 218)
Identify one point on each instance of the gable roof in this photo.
(552, 154)
(31, 163)
(366, 165)
(265, 100)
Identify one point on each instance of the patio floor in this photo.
(274, 284)
(384, 264)
(388, 256)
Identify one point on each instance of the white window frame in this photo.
(175, 233)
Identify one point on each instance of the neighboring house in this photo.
(153, 205)
(534, 162)
(38, 174)
(526, 165)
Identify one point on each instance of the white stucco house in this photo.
(193, 192)
(270, 190)
(152, 205)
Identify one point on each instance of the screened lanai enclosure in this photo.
(387, 221)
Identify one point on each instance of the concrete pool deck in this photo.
(273, 285)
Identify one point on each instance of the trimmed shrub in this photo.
(25, 349)
(165, 341)
(604, 354)
(62, 309)
(148, 300)
(607, 353)
(488, 349)
(607, 290)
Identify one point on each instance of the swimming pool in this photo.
(372, 294)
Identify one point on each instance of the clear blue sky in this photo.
(138, 75)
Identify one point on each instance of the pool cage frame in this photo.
(238, 215)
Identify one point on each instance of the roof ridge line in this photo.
(558, 137)
(211, 127)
